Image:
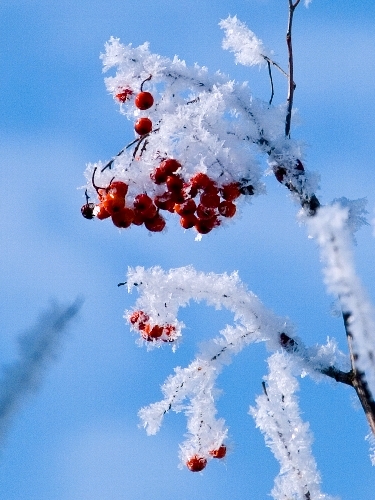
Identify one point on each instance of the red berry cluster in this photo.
(200, 202)
(197, 463)
(140, 321)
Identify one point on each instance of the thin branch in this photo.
(271, 81)
(291, 84)
(359, 382)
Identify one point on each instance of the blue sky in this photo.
(77, 436)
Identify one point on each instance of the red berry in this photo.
(150, 212)
(227, 209)
(204, 226)
(144, 100)
(113, 204)
(159, 175)
(170, 166)
(123, 94)
(204, 212)
(156, 224)
(118, 188)
(200, 181)
(123, 218)
(165, 202)
(188, 221)
(102, 214)
(231, 191)
(186, 208)
(174, 183)
(138, 218)
(139, 319)
(87, 210)
(156, 332)
(142, 202)
(143, 126)
(210, 199)
(219, 453)
(196, 463)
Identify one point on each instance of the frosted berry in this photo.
(165, 202)
(156, 224)
(123, 95)
(219, 453)
(102, 214)
(196, 463)
(200, 181)
(123, 218)
(118, 188)
(158, 175)
(144, 100)
(113, 204)
(142, 202)
(204, 226)
(230, 192)
(143, 126)
(170, 166)
(227, 208)
(186, 208)
(188, 221)
(174, 183)
(210, 199)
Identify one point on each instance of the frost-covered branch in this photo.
(37, 348)
(277, 415)
(330, 229)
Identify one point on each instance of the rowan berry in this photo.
(170, 165)
(102, 214)
(185, 208)
(143, 126)
(165, 202)
(123, 218)
(219, 453)
(200, 181)
(230, 192)
(118, 188)
(227, 208)
(144, 100)
(188, 221)
(156, 224)
(174, 183)
(196, 463)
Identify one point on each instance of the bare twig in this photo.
(291, 84)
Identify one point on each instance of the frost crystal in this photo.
(247, 48)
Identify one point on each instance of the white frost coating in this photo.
(161, 295)
(277, 415)
(209, 123)
(192, 389)
(329, 227)
(248, 49)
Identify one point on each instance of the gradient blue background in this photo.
(77, 437)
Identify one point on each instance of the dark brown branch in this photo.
(359, 382)
(291, 84)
